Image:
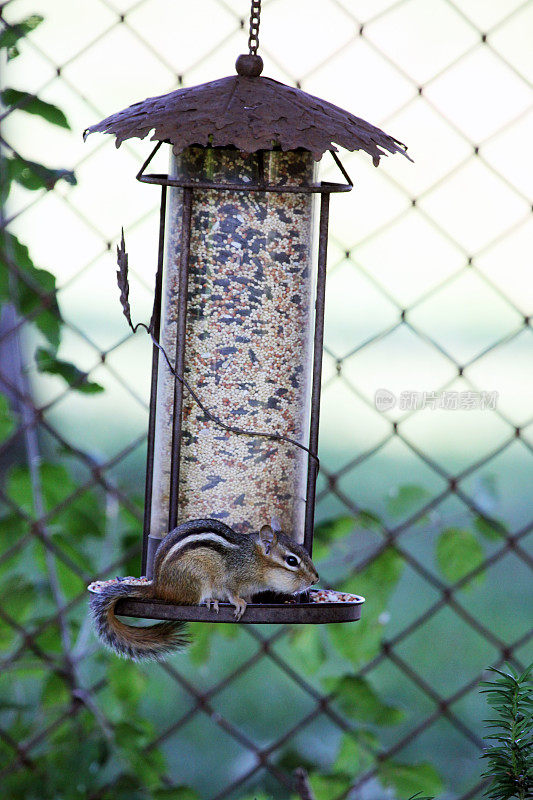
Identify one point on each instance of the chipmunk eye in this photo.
(292, 561)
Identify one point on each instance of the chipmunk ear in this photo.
(268, 538)
(275, 524)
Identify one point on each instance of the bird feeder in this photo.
(238, 314)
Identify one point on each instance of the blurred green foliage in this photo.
(32, 290)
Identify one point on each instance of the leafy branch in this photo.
(510, 757)
(30, 289)
(11, 34)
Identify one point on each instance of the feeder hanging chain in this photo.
(253, 39)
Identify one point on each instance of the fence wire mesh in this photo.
(463, 103)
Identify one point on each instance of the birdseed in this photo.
(315, 595)
(248, 343)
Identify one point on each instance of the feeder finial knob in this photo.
(249, 65)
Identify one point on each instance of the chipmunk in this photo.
(202, 561)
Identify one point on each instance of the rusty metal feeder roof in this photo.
(250, 113)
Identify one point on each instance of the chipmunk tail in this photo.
(153, 643)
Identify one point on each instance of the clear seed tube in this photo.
(248, 342)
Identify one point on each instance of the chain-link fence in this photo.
(428, 313)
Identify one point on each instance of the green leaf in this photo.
(308, 646)
(510, 763)
(55, 483)
(50, 639)
(12, 528)
(200, 648)
(83, 517)
(458, 553)
(228, 630)
(333, 529)
(359, 701)
(19, 489)
(490, 528)
(129, 539)
(55, 691)
(126, 681)
(11, 34)
(71, 526)
(327, 786)
(407, 499)
(330, 531)
(31, 104)
(358, 643)
(292, 759)
(17, 599)
(7, 423)
(407, 779)
(361, 642)
(33, 290)
(132, 733)
(367, 519)
(378, 580)
(127, 517)
(126, 786)
(356, 754)
(70, 582)
(74, 377)
(33, 176)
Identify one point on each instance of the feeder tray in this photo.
(318, 607)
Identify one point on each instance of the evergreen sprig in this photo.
(510, 757)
